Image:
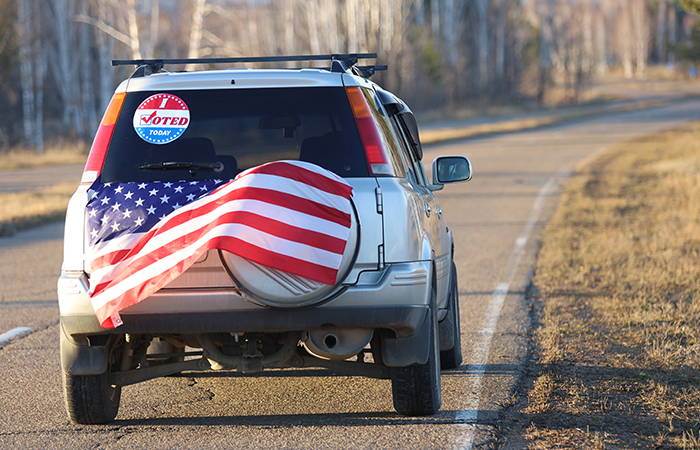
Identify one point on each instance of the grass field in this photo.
(59, 153)
(616, 302)
(24, 210)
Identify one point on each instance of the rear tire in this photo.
(90, 399)
(452, 358)
(416, 389)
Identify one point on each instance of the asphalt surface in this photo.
(496, 219)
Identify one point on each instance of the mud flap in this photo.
(80, 358)
(402, 352)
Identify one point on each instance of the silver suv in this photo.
(253, 219)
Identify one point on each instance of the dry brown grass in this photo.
(507, 126)
(618, 304)
(58, 153)
(31, 208)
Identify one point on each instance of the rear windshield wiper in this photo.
(193, 167)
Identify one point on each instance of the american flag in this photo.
(291, 216)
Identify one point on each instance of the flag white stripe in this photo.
(123, 242)
(108, 273)
(111, 300)
(291, 217)
(248, 234)
(311, 167)
(253, 236)
(279, 213)
(296, 188)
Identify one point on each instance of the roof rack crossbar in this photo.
(351, 57)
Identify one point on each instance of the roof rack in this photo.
(340, 62)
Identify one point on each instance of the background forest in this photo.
(56, 78)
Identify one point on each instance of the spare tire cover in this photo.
(279, 289)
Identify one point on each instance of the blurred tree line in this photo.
(56, 78)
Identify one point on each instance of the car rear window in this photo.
(240, 128)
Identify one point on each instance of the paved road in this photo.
(497, 220)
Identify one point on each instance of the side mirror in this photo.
(451, 169)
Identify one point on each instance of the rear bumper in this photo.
(396, 298)
(404, 320)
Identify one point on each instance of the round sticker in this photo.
(161, 118)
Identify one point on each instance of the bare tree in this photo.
(67, 75)
(32, 68)
(601, 42)
(482, 7)
(500, 39)
(672, 35)
(641, 34)
(125, 17)
(661, 22)
(625, 43)
(196, 32)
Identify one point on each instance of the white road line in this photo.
(466, 418)
(13, 333)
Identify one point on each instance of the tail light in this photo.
(98, 151)
(377, 160)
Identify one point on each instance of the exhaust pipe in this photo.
(337, 344)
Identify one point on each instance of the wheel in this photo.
(452, 358)
(90, 399)
(416, 388)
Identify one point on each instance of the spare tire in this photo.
(278, 289)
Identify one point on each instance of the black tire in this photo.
(416, 389)
(90, 399)
(452, 358)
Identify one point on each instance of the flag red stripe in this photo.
(247, 193)
(226, 243)
(264, 224)
(270, 196)
(276, 228)
(316, 254)
(304, 175)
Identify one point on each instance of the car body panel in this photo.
(404, 251)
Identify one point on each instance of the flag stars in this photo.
(178, 189)
(190, 197)
(119, 189)
(139, 202)
(203, 188)
(139, 221)
(115, 206)
(105, 200)
(92, 212)
(115, 226)
(177, 205)
(151, 210)
(127, 214)
(128, 195)
(142, 185)
(153, 192)
(164, 199)
(168, 184)
(104, 220)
